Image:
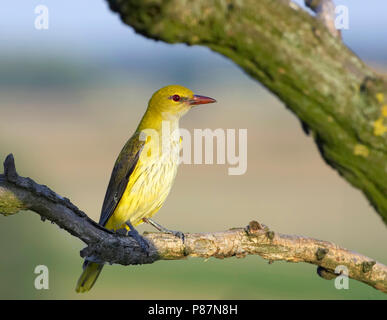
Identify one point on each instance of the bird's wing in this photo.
(123, 168)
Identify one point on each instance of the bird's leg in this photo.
(159, 227)
(136, 236)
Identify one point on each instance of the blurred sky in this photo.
(73, 22)
(87, 30)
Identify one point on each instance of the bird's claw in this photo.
(159, 227)
(179, 235)
(144, 245)
(122, 231)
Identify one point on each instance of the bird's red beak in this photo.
(200, 100)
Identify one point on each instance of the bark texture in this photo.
(340, 101)
(18, 193)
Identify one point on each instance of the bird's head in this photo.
(174, 101)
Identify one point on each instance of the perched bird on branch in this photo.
(144, 171)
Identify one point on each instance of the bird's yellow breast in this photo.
(148, 186)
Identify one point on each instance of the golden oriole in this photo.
(144, 171)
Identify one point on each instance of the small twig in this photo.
(325, 12)
(256, 239)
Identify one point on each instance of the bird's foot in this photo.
(122, 231)
(177, 234)
(159, 227)
(144, 245)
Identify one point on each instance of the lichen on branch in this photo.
(297, 57)
(255, 239)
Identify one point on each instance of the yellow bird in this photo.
(144, 171)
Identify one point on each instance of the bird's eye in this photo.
(176, 97)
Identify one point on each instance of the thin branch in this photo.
(18, 193)
(325, 12)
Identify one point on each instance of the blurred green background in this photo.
(70, 96)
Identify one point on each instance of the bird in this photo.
(144, 172)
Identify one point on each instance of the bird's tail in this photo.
(89, 276)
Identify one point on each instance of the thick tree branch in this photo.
(18, 193)
(338, 99)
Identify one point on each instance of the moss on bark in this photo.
(341, 100)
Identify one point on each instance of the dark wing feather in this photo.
(123, 168)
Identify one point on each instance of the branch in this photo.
(339, 100)
(18, 193)
(325, 12)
